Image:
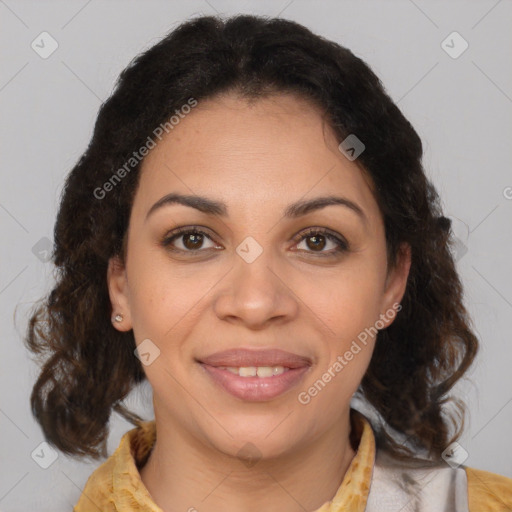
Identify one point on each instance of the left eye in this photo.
(317, 238)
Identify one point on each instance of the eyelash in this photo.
(343, 246)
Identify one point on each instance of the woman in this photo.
(251, 230)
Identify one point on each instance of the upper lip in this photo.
(240, 357)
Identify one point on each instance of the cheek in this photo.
(347, 303)
(346, 349)
(162, 293)
(347, 299)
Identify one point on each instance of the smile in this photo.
(253, 371)
(255, 384)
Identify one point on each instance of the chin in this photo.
(253, 440)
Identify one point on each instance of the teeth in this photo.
(253, 371)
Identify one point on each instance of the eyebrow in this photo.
(292, 211)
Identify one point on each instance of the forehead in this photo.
(273, 151)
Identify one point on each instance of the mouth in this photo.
(255, 376)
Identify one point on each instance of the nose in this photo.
(255, 293)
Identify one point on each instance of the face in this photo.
(313, 282)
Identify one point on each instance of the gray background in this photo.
(461, 107)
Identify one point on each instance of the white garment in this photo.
(401, 487)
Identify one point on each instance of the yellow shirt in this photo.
(116, 484)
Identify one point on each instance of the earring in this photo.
(117, 318)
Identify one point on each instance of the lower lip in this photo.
(256, 389)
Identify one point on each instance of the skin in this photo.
(257, 158)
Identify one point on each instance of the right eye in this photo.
(191, 239)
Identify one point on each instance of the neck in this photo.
(182, 473)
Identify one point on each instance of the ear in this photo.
(396, 283)
(118, 291)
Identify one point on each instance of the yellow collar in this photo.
(118, 480)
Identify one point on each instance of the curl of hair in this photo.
(90, 367)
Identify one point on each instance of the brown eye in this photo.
(193, 240)
(317, 239)
(187, 240)
(315, 242)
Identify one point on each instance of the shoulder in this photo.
(98, 490)
(488, 491)
(118, 476)
(419, 485)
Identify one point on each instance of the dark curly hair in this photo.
(89, 367)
